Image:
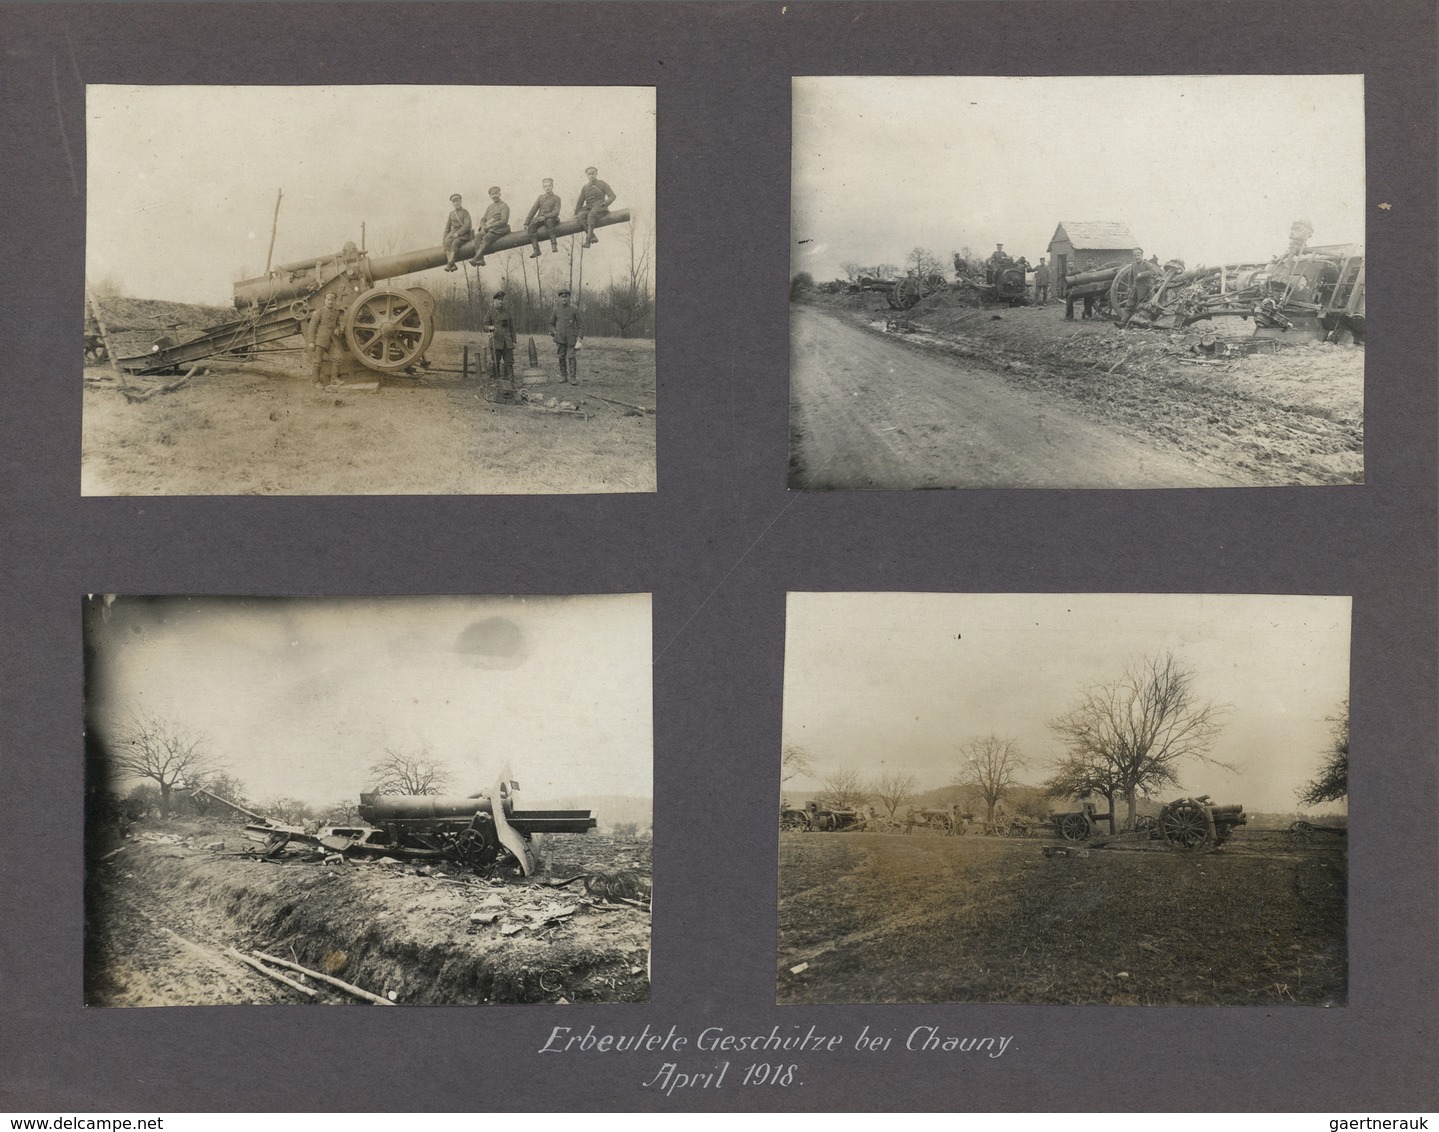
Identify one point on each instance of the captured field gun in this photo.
(1185, 823)
(944, 820)
(477, 831)
(813, 818)
(387, 327)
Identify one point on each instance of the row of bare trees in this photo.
(620, 305)
(1123, 740)
(167, 757)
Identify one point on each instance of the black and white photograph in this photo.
(393, 800)
(369, 290)
(1077, 282)
(1117, 799)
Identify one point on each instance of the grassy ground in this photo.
(889, 918)
(262, 428)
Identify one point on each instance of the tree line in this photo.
(1123, 740)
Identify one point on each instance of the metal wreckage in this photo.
(482, 832)
(387, 326)
(1314, 290)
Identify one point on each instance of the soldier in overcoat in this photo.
(567, 331)
(325, 340)
(501, 325)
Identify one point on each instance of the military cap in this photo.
(499, 294)
(454, 196)
(563, 291)
(494, 188)
(591, 169)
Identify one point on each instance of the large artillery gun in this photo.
(1186, 823)
(481, 832)
(386, 325)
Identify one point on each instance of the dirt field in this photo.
(894, 918)
(1001, 397)
(160, 916)
(263, 428)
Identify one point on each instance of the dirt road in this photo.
(867, 412)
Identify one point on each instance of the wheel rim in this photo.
(1185, 827)
(387, 330)
(1074, 827)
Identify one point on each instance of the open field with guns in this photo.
(167, 921)
(888, 918)
(262, 428)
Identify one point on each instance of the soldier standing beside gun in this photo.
(594, 203)
(544, 213)
(323, 337)
(1041, 283)
(501, 325)
(457, 232)
(567, 330)
(493, 224)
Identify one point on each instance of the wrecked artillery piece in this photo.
(911, 289)
(479, 832)
(1185, 823)
(386, 327)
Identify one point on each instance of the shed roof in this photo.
(1100, 235)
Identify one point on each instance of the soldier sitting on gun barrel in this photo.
(593, 205)
(457, 231)
(493, 224)
(543, 214)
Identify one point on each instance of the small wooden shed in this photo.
(1080, 245)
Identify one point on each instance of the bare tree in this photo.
(291, 810)
(794, 761)
(148, 747)
(1333, 781)
(987, 767)
(401, 772)
(923, 263)
(893, 788)
(1080, 775)
(1141, 726)
(343, 812)
(843, 790)
(885, 271)
(852, 270)
(628, 300)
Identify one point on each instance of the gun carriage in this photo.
(479, 832)
(1185, 823)
(386, 326)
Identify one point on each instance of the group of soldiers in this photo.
(566, 330)
(544, 217)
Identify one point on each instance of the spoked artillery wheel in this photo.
(390, 329)
(1186, 825)
(1073, 827)
(793, 821)
(1300, 833)
(1127, 279)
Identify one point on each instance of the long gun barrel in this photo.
(297, 280)
(417, 810)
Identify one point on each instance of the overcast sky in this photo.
(1209, 169)
(877, 682)
(182, 179)
(298, 697)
